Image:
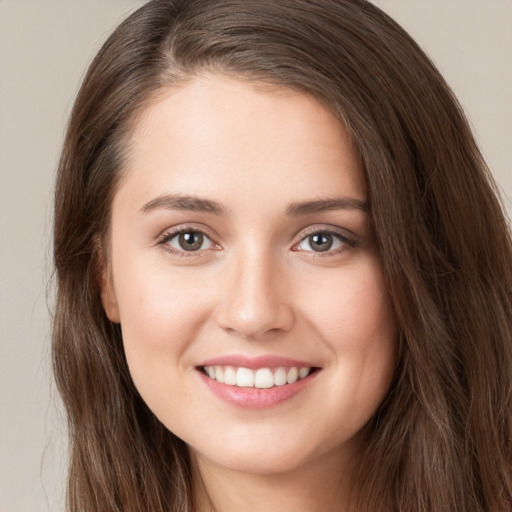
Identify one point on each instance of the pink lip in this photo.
(255, 362)
(255, 398)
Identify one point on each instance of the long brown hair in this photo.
(441, 441)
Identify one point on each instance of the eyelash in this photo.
(168, 236)
(342, 238)
(346, 242)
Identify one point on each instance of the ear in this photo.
(109, 301)
(103, 278)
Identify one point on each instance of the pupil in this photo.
(191, 241)
(321, 242)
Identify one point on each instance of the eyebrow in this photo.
(182, 202)
(322, 205)
(197, 204)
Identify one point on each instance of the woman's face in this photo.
(244, 274)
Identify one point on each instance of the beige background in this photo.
(45, 46)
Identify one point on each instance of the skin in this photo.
(255, 287)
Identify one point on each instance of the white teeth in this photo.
(244, 378)
(229, 376)
(219, 374)
(263, 378)
(280, 377)
(303, 372)
(292, 375)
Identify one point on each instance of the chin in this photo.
(264, 455)
(257, 463)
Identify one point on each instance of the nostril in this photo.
(256, 322)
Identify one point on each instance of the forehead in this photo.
(222, 137)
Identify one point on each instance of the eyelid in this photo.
(171, 233)
(346, 237)
(326, 228)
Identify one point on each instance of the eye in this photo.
(188, 241)
(323, 241)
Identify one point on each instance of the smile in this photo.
(257, 382)
(261, 378)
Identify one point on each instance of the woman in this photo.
(283, 273)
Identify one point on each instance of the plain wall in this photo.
(45, 46)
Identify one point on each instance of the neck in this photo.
(324, 485)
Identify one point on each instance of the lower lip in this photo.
(255, 398)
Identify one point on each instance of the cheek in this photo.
(160, 319)
(353, 310)
(161, 313)
(356, 321)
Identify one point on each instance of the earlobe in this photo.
(109, 301)
(103, 278)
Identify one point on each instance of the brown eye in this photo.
(190, 241)
(324, 241)
(320, 242)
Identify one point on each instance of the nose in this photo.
(255, 304)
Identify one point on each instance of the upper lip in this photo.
(268, 361)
